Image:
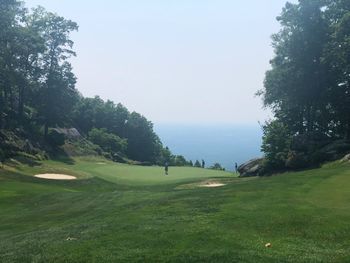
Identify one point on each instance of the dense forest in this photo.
(308, 86)
(38, 95)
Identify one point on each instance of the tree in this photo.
(11, 13)
(308, 87)
(295, 87)
(143, 144)
(58, 81)
(180, 160)
(217, 166)
(337, 56)
(107, 141)
(197, 164)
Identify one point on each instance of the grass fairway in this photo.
(120, 213)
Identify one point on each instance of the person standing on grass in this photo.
(166, 168)
(236, 167)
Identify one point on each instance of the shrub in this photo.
(109, 142)
(276, 144)
(217, 166)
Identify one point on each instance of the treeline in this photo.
(308, 87)
(37, 90)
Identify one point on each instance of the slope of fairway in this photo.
(113, 213)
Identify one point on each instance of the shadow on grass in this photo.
(60, 155)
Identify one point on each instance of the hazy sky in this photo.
(180, 61)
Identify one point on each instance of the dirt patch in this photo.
(55, 176)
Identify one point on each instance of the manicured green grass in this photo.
(120, 213)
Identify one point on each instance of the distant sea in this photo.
(225, 144)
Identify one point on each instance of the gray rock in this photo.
(253, 167)
(335, 150)
(71, 133)
(29, 148)
(346, 158)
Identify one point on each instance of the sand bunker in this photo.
(211, 185)
(56, 176)
(207, 184)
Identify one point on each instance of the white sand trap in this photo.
(212, 185)
(55, 176)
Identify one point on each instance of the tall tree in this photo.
(11, 13)
(338, 57)
(57, 78)
(296, 85)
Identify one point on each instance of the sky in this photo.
(174, 61)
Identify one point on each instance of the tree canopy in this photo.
(308, 86)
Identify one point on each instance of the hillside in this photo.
(117, 212)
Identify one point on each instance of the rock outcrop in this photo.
(346, 158)
(70, 134)
(253, 167)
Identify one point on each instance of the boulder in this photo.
(334, 151)
(253, 167)
(346, 158)
(70, 134)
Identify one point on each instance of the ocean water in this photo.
(225, 144)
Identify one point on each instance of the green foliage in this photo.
(107, 141)
(180, 160)
(276, 144)
(217, 166)
(95, 113)
(197, 164)
(308, 87)
(143, 144)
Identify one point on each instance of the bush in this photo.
(180, 160)
(217, 166)
(276, 144)
(296, 160)
(107, 141)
